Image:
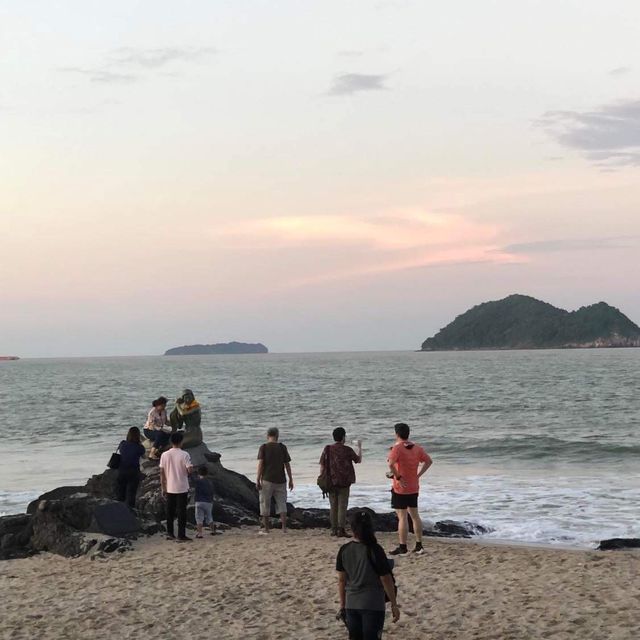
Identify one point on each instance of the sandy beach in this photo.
(241, 585)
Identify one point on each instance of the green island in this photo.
(221, 348)
(523, 322)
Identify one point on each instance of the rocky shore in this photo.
(78, 520)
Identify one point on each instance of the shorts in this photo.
(404, 500)
(277, 491)
(204, 512)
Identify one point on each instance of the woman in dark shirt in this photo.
(364, 577)
(131, 450)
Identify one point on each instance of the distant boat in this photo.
(9, 358)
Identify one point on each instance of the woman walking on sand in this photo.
(364, 578)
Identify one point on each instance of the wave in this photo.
(533, 448)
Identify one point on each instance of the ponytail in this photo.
(362, 526)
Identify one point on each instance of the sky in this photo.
(317, 176)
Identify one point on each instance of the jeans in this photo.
(177, 503)
(160, 439)
(338, 502)
(127, 485)
(364, 624)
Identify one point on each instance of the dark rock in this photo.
(459, 529)
(65, 526)
(15, 536)
(309, 518)
(613, 544)
(56, 494)
(109, 545)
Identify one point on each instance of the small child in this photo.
(204, 502)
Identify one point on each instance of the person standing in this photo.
(131, 450)
(175, 467)
(408, 462)
(273, 461)
(157, 427)
(364, 578)
(338, 460)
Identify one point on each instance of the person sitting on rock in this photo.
(154, 428)
(187, 415)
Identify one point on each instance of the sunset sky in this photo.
(330, 175)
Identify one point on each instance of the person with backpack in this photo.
(336, 466)
(365, 581)
(271, 482)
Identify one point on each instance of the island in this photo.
(234, 348)
(523, 322)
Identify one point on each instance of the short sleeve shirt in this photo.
(363, 566)
(275, 456)
(341, 459)
(176, 463)
(407, 456)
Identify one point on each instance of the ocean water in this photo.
(541, 446)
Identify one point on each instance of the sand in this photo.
(241, 585)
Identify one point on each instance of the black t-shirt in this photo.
(275, 455)
(363, 566)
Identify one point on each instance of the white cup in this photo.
(357, 443)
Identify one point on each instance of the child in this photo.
(204, 502)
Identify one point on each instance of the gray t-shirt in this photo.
(363, 566)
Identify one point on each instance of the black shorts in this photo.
(404, 500)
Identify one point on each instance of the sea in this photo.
(538, 446)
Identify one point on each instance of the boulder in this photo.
(613, 544)
(75, 525)
(15, 536)
(455, 529)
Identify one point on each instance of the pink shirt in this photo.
(176, 463)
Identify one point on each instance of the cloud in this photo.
(572, 244)
(363, 244)
(619, 71)
(608, 136)
(349, 83)
(100, 75)
(158, 57)
(127, 64)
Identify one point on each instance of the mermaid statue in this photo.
(187, 415)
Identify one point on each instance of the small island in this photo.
(221, 348)
(522, 322)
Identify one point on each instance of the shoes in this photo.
(185, 539)
(400, 550)
(170, 536)
(262, 532)
(198, 536)
(418, 549)
(342, 534)
(334, 533)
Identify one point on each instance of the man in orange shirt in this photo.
(407, 462)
